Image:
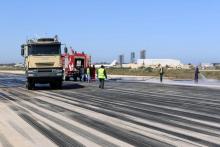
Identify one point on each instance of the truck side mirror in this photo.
(22, 50)
(65, 50)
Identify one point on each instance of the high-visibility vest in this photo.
(88, 71)
(101, 74)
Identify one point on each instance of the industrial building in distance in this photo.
(153, 63)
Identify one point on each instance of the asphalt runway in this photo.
(123, 114)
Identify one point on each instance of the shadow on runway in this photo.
(64, 87)
(72, 86)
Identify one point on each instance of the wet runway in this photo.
(122, 114)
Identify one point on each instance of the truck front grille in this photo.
(44, 70)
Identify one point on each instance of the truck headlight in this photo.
(30, 75)
(59, 74)
(32, 71)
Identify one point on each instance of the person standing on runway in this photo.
(88, 74)
(93, 71)
(196, 77)
(161, 73)
(101, 74)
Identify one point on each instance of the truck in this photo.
(73, 62)
(43, 62)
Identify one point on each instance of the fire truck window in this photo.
(79, 63)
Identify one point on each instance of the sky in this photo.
(188, 30)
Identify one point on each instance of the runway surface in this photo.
(123, 114)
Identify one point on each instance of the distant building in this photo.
(143, 54)
(163, 62)
(216, 65)
(121, 60)
(132, 57)
(131, 65)
(207, 66)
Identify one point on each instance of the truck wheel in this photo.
(59, 85)
(53, 85)
(30, 84)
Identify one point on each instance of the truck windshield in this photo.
(44, 49)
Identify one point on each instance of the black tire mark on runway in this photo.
(171, 132)
(68, 126)
(163, 89)
(4, 97)
(118, 133)
(185, 95)
(169, 98)
(120, 118)
(53, 134)
(154, 100)
(51, 107)
(127, 136)
(174, 101)
(124, 135)
(151, 113)
(112, 130)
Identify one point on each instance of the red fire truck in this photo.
(73, 62)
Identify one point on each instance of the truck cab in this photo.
(42, 62)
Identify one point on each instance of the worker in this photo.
(196, 77)
(161, 73)
(88, 74)
(101, 74)
(93, 73)
(81, 73)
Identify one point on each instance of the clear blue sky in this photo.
(188, 30)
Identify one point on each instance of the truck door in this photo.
(79, 63)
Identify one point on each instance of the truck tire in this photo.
(59, 85)
(53, 85)
(30, 84)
